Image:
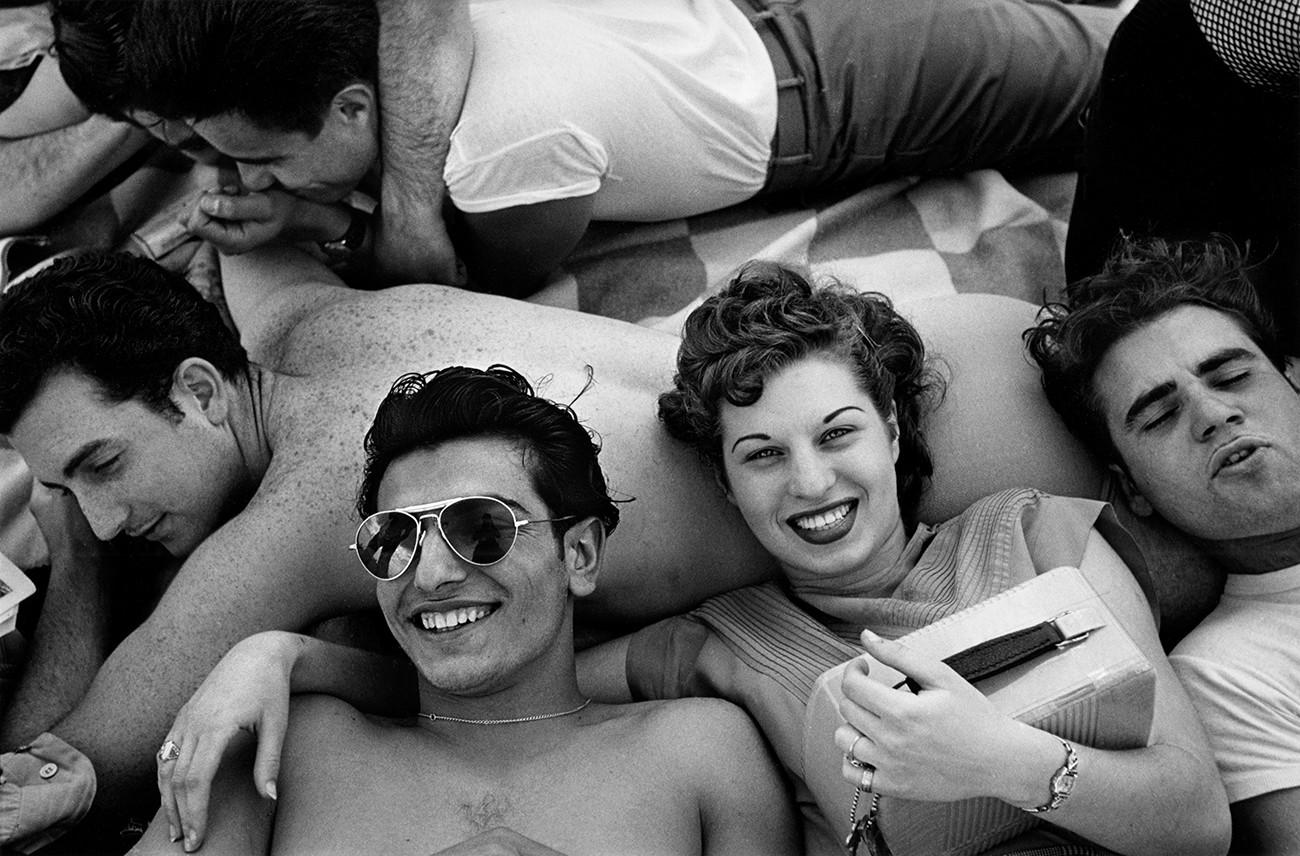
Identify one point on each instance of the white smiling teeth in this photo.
(825, 519)
(437, 621)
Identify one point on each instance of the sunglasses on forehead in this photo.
(479, 529)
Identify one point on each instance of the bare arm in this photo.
(1267, 825)
(72, 635)
(237, 583)
(1165, 798)
(248, 693)
(602, 671)
(46, 173)
(513, 250)
(426, 48)
(243, 820)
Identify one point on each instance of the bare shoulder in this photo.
(684, 731)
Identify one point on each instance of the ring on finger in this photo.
(169, 751)
(849, 756)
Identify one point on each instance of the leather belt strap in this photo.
(996, 655)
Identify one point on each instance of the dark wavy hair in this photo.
(122, 320)
(1141, 281)
(771, 316)
(90, 38)
(276, 62)
(422, 411)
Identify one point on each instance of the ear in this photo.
(720, 479)
(1136, 501)
(198, 385)
(891, 422)
(355, 103)
(584, 549)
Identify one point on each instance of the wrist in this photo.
(350, 238)
(1059, 784)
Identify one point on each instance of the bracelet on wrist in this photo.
(1062, 781)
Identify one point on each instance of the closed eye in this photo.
(1160, 419)
(103, 468)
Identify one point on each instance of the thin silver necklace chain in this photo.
(437, 717)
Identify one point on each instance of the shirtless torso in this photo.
(647, 778)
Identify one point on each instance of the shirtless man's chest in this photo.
(605, 792)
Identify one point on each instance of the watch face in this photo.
(1063, 782)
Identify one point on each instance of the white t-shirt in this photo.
(661, 108)
(1241, 666)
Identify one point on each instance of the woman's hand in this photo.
(248, 691)
(946, 742)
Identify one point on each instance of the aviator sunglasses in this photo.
(479, 529)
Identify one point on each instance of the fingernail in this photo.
(270, 790)
(191, 841)
(171, 830)
(868, 636)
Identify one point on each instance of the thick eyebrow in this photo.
(74, 463)
(830, 417)
(1209, 365)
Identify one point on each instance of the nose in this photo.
(435, 564)
(1211, 411)
(810, 474)
(254, 176)
(107, 517)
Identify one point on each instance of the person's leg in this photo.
(933, 86)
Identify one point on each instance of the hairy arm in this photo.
(513, 250)
(260, 571)
(46, 173)
(426, 48)
(72, 635)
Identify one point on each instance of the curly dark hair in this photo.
(124, 321)
(771, 316)
(1141, 281)
(422, 411)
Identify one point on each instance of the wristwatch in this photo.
(1062, 782)
(353, 239)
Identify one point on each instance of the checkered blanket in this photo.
(979, 232)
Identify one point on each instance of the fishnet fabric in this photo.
(1259, 40)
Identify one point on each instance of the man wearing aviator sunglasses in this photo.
(478, 591)
(480, 530)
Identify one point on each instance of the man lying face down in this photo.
(612, 110)
(485, 515)
(128, 397)
(1168, 367)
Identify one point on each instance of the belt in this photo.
(790, 144)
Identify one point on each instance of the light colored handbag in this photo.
(1093, 686)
